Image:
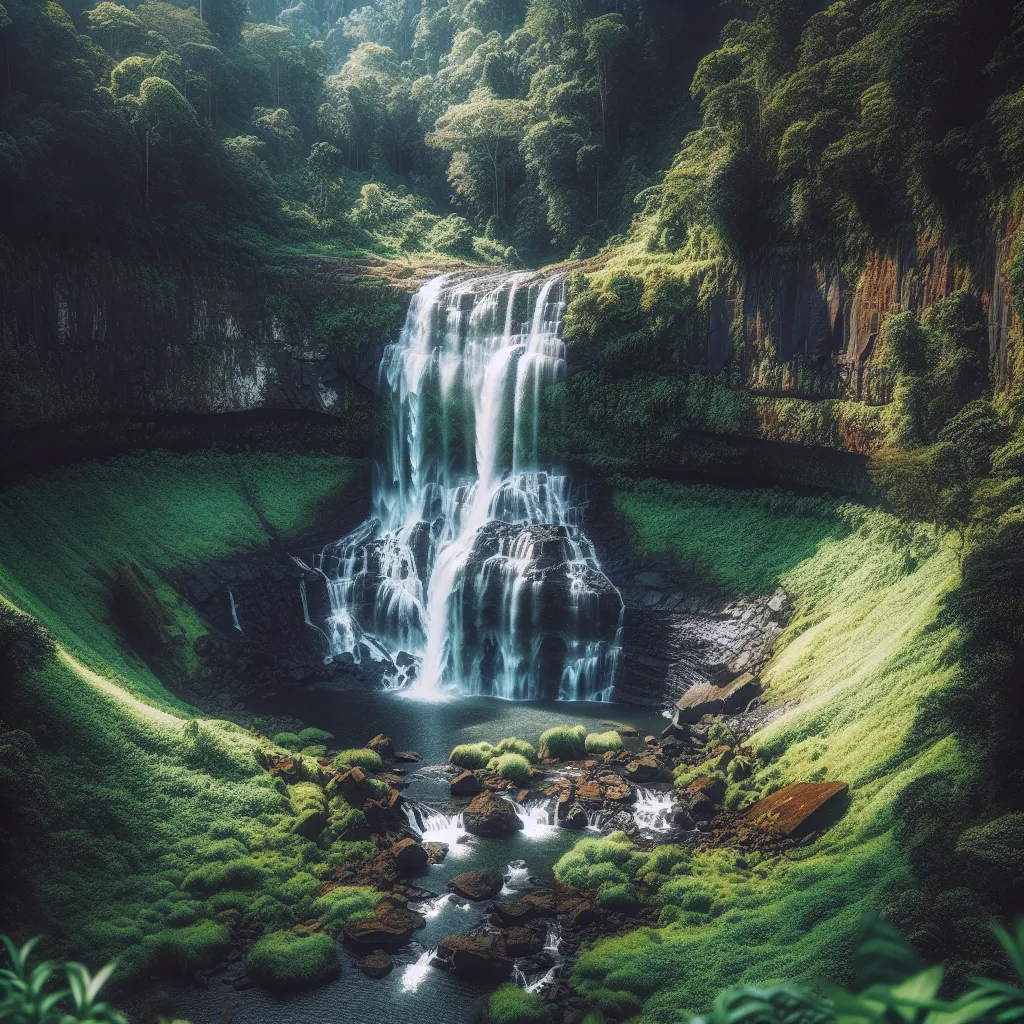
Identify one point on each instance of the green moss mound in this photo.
(513, 767)
(337, 907)
(288, 740)
(511, 1004)
(564, 742)
(471, 755)
(369, 760)
(186, 950)
(512, 745)
(602, 742)
(287, 961)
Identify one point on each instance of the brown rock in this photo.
(465, 784)
(376, 965)
(643, 769)
(406, 756)
(616, 789)
(707, 699)
(475, 956)
(383, 745)
(514, 912)
(490, 815)
(390, 929)
(589, 790)
(575, 817)
(800, 809)
(484, 884)
(517, 942)
(410, 856)
(583, 915)
(436, 852)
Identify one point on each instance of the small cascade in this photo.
(433, 908)
(473, 564)
(234, 610)
(415, 973)
(539, 817)
(435, 826)
(517, 873)
(538, 980)
(652, 811)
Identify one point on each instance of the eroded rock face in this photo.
(390, 928)
(474, 956)
(800, 809)
(483, 884)
(490, 815)
(712, 699)
(465, 784)
(410, 856)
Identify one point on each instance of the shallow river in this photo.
(414, 993)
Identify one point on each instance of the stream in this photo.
(414, 992)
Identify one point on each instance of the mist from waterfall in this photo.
(473, 575)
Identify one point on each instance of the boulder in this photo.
(681, 817)
(382, 745)
(643, 769)
(517, 942)
(465, 784)
(406, 756)
(513, 912)
(490, 815)
(575, 817)
(410, 856)
(376, 964)
(800, 809)
(589, 790)
(474, 956)
(436, 852)
(484, 884)
(390, 928)
(583, 915)
(708, 699)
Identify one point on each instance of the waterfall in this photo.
(434, 826)
(473, 563)
(653, 809)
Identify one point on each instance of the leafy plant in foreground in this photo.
(25, 999)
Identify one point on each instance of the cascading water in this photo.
(473, 574)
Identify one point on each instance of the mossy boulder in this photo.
(288, 961)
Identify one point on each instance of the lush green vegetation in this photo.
(512, 767)
(564, 742)
(172, 830)
(602, 742)
(285, 961)
(511, 1004)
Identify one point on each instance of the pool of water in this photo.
(414, 992)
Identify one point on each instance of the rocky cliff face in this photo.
(113, 339)
(788, 312)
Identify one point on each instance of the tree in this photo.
(483, 137)
(605, 38)
(117, 29)
(325, 163)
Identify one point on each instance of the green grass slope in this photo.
(861, 652)
(143, 833)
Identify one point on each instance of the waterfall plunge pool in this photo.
(414, 992)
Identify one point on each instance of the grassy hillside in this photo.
(135, 829)
(862, 654)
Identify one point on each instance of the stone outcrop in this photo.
(491, 816)
(483, 884)
(799, 809)
(465, 784)
(390, 928)
(376, 964)
(410, 856)
(475, 956)
(711, 699)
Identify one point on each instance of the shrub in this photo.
(243, 873)
(471, 755)
(686, 894)
(308, 737)
(720, 735)
(512, 745)
(564, 742)
(289, 740)
(337, 907)
(592, 862)
(620, 896)
(187, 950)
(511, 1004)
(286, 961)
(601, 742)
(317, 750)
(513, 767)
(369, 760)
(25, 643)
